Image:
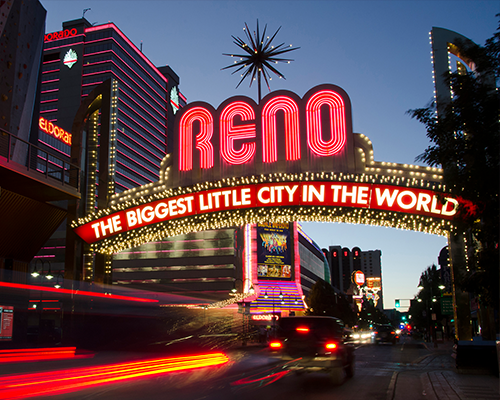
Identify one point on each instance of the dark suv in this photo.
(314, 344)
(385, 334)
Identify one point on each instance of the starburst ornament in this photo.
(258, 57)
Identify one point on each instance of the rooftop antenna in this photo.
(141, 46)
(84, 11)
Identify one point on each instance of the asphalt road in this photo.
(408, 370)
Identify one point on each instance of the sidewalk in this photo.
(439, 379)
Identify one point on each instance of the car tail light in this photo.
(275, 345)
(393, 333)
(302, 329)
(331, 346)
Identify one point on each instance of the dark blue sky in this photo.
(377, 51)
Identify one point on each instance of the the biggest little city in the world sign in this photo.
(285, 159)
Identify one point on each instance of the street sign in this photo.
(447, 305)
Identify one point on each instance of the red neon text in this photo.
(323, 120)
(331, 194)
(53, 130)
(60, 35)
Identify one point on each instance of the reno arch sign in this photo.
(285, 159)
(284, 133)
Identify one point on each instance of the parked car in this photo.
(314, 344)
(385, 334)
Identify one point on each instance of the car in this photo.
(314, 344)
(385, 334)
(361, 337)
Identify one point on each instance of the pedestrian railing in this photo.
(33, 158)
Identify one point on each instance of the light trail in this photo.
(40, 354)
(76, 292)
(64, 381)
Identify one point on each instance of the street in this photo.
(408, 370)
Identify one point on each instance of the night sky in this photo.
(377, 51)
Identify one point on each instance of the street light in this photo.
(49, 275)
(281, 296)
(251, 291)
(57, 285)
(429, 307)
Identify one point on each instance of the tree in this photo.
(260, 53)
(370, 315)
(428, 300)
(324, 301)
(465, 136)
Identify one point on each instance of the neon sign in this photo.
(54, 131)
(264, 317)
(345, 194)
(60, 35)
(312, 130)
(358, 277)
(283, 160)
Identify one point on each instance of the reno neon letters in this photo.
(242, 132)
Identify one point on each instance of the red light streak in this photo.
(292, 129)
(275, 345)
(269, 378)
(76, 292)
(41, 354)
(229, 133)
(337, 123)
(65, 381)
(204, 117)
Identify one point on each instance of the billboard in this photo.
(274, 251)
(6, 322)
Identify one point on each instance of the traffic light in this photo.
(397, 303)
(403, 318)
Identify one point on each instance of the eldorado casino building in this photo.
(128, 130)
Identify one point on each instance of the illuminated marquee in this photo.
(369, 196)
(286, 159)
(54, 131)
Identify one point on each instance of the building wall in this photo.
(142, 100)
(131, 128)
(22, 25)
(201, 264)
(312, 264)
(344, 261)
